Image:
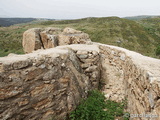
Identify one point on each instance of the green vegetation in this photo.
(142, 35)
(95, 107)
(11, 41)
(139, 17)
(158, 51)
(12, 21)
(152, 26)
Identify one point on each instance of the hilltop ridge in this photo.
(132, 35)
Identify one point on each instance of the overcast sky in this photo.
(71, 9)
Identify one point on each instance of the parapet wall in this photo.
(132, 76)
(47, 84)
(51, 83)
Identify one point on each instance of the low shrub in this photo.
(95, 107)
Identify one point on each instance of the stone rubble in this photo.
(38, 38)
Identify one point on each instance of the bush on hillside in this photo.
(95, 107)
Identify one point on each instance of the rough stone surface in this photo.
(38, 38)
(31, 40)
(71, 36)
(68, 30)
(46, 83)
(49, 41)
(126, 74)
(49, 37)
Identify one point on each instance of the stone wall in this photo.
(47, 83)
(129, 75)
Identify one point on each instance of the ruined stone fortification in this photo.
(51, 83)
(38, 38)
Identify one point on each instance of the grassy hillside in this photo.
(11, 21)
(110, 30)
(140, 17)
(152, 25)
